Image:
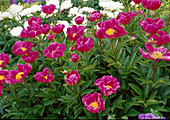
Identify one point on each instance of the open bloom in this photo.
(79, 20)
(137, 1)
(51, 36)
(30, 57)
(72, 78)
(34, 20)
(94, 16)
(151, 4)
(161, 37)
(4, 59)
(110, 29)
(54, 50)
(21, 47)
(24, 68)
(74, 32)
(48, 9)
(74, 57)
(93, 102)
(45, 76)
(45, 28)
(107, 85)
(84, 44)
(150, 25)
(3, 74)
(125, 18)
(155, 53)
(58, 28)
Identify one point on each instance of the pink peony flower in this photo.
(72, 78)
(54, 50)
(24, 33)
(79, 20)
(150, 25)
(21, 47)
(4, 59)
(51, 36)
(137, 1)
(45, 28)
(93, 102)
(155, 53)
(3, 74)
(125, 18)
(151, 4)
(94, 16)
(107, 85)
(58, 28)
(48, 9)
(84, 44)
(110, 29)
(45, 76)
(34, 20)
(161, 37)
(74, 32)
(30, 57)
(74, 57)
(24, 68)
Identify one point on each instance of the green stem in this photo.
(96, 116)
(109, 100)
(154, 67)
(77, 93)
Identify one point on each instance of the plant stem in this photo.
(100, 45)
(86, 58)
(39, 47)
(96, 116)
(154, 66)
(109, 100)
(52, 89)
(77, 93)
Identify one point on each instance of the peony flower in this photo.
(66, 25)
(3, 74)
(21, 47)
(58, 28)
(74, 32)
(150, 25)
(151, 4)
(34, 20)
(86, 9)
(45, 28)
(51, 36)
(93, 102)
(73, 11)
(137, 1)
(161, 37)
(54, 50)
(72, 78)
(16, 31)
(5, 15)
(79, 20)
(94, 16)
(15, 9)
(84, 44)
(107, 85)
(45, 76)
(125, 18)
(48, 9)
(4, 59)
(74, 57)
(66, 4)
(24, 68)
(110, 29)
(155, 53)
(30, 57)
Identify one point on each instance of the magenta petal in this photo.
(149, 47)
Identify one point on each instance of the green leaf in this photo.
(132, 112)
(136, 89)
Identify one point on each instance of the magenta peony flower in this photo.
(72, 78)
(93, 102)
(3, 74)
(32, 31)
(74, 57)
(24, 33)
(58, 28)
(125, 18)
(161, 37)
(150, 25)
(54, 50)
(155, 53)
(137, 1)
(110, 29)
(51, 36)
(30, 57)
(84, 44)
(151, 4)
(74, 32)
(45, 76)
(107, 85)
(45, 28)
(71, 48)
(24, 68)
(21, 47)
(34, 20)
(48, 9)
(4, 59)
(94, 16)
(79, 20)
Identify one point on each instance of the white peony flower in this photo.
(55, 2)
(26, 24)
(110, 5)
(17, 18)
(108, 13)
(86, 9)
(16, 31)
(66, 4)
(73, 11)
(133, 4)
(25, 12)
(5, 15)
(82, 15)
(14, 9)
(35, 8)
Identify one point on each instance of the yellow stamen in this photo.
(23, 49)
(2, 77)
(45, 77)
(94, 104)
(18, 76)
(109, 86)
(74, 34)
(110, 31)
(156, 55)
(1, 62)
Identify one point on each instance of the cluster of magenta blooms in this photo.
(107, 29)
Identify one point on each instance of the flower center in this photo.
(157, 55)
(110, 31)
(94, 104)
(109, 86)
(45, 77)
(1, 62)
(74, 34)
(23, 49)
(2, 77)
(18, 76)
